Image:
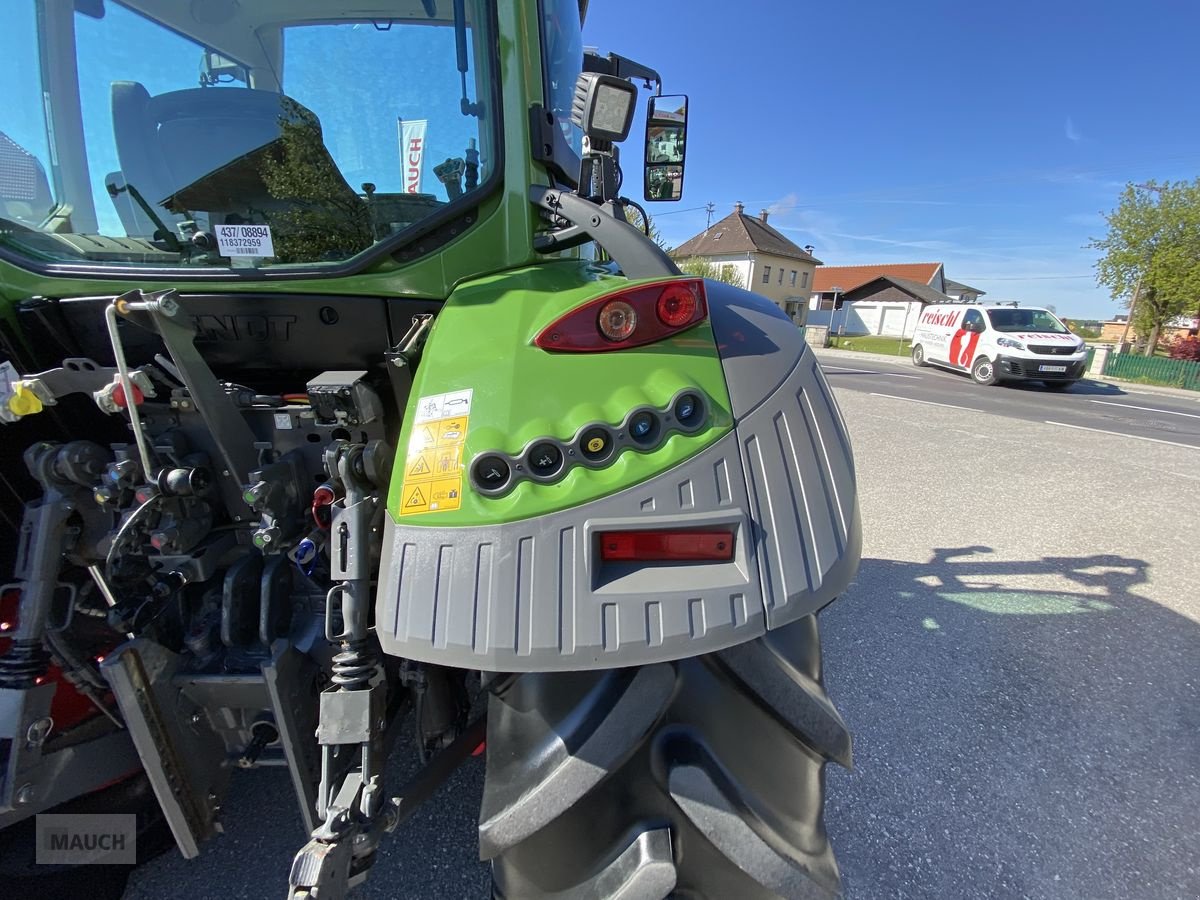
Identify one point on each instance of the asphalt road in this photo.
(1098, 405)
(1019, 659)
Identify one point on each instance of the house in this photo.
(962, 293)
(1112, 331)
(830, 282)
(881, 299)
(767, 262)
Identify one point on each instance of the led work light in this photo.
(603, 106)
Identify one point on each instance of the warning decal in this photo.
(433, 466)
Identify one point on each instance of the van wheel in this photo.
(1057, 385)
(701, 778)
(918, 355)
(983, 371)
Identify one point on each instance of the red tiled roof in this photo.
(847, 278)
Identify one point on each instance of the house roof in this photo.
(740, 233)
(962, 288)
(847, 278)
(914, 289)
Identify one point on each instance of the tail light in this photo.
(629, 318)
(664, 546)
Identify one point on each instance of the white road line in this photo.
(1136, 437)
(1169, 412)
(926, 402)
(869, 371)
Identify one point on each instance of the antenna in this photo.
(709, 208)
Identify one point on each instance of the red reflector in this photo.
(118, 395)
(628, 318)
(478, 751)
(650, 546)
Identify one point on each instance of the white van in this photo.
(999, 343)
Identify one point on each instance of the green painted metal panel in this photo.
(483, 341)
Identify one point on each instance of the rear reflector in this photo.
(662, 546)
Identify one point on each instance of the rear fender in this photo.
(531, 594)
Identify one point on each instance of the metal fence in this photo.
(1154, 370)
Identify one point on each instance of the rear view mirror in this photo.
(666, 144)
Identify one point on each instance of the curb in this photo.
(1129, 387)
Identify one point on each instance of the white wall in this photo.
(889, 318)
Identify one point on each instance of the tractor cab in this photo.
(213, 134)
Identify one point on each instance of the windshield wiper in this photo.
(173, 243)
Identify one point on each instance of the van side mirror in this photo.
(666, 146)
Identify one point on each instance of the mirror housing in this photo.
(666, 147)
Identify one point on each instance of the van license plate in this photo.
(1052, 368)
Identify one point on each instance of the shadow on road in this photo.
(1014, 743)
(1085, 386)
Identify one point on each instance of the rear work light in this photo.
(629, 318)
(666, 546)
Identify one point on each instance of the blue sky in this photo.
(988, 136)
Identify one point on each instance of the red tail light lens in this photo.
(676, 306)
(664, 546)
(629, 318)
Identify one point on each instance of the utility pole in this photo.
(709, 208)
(1137, 289)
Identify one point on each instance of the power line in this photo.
(1023, 277)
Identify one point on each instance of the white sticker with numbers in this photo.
(244, 240)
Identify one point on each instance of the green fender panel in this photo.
(482, 342)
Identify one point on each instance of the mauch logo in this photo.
(92, 839)
(243, 328)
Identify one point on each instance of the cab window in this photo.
(562, 61)
(973, 320)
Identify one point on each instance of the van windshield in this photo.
(1026, 320)
(158, 133)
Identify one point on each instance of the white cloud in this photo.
(784, 204)
(1072, 132)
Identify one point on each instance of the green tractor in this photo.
(340, 397)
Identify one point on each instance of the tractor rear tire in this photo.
(701, 778)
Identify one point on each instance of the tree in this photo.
(316, 215)
(1151, 254)
(634, 215)
(703, 268)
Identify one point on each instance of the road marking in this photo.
(1136, 437)
(926, 402)
(869, 372)
(1169, 412)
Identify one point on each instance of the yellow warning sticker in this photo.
(433, 467)
(423, 438)
(414, 499)
(452, 431)
(445, 494)
(445, 461)
(421, 468)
